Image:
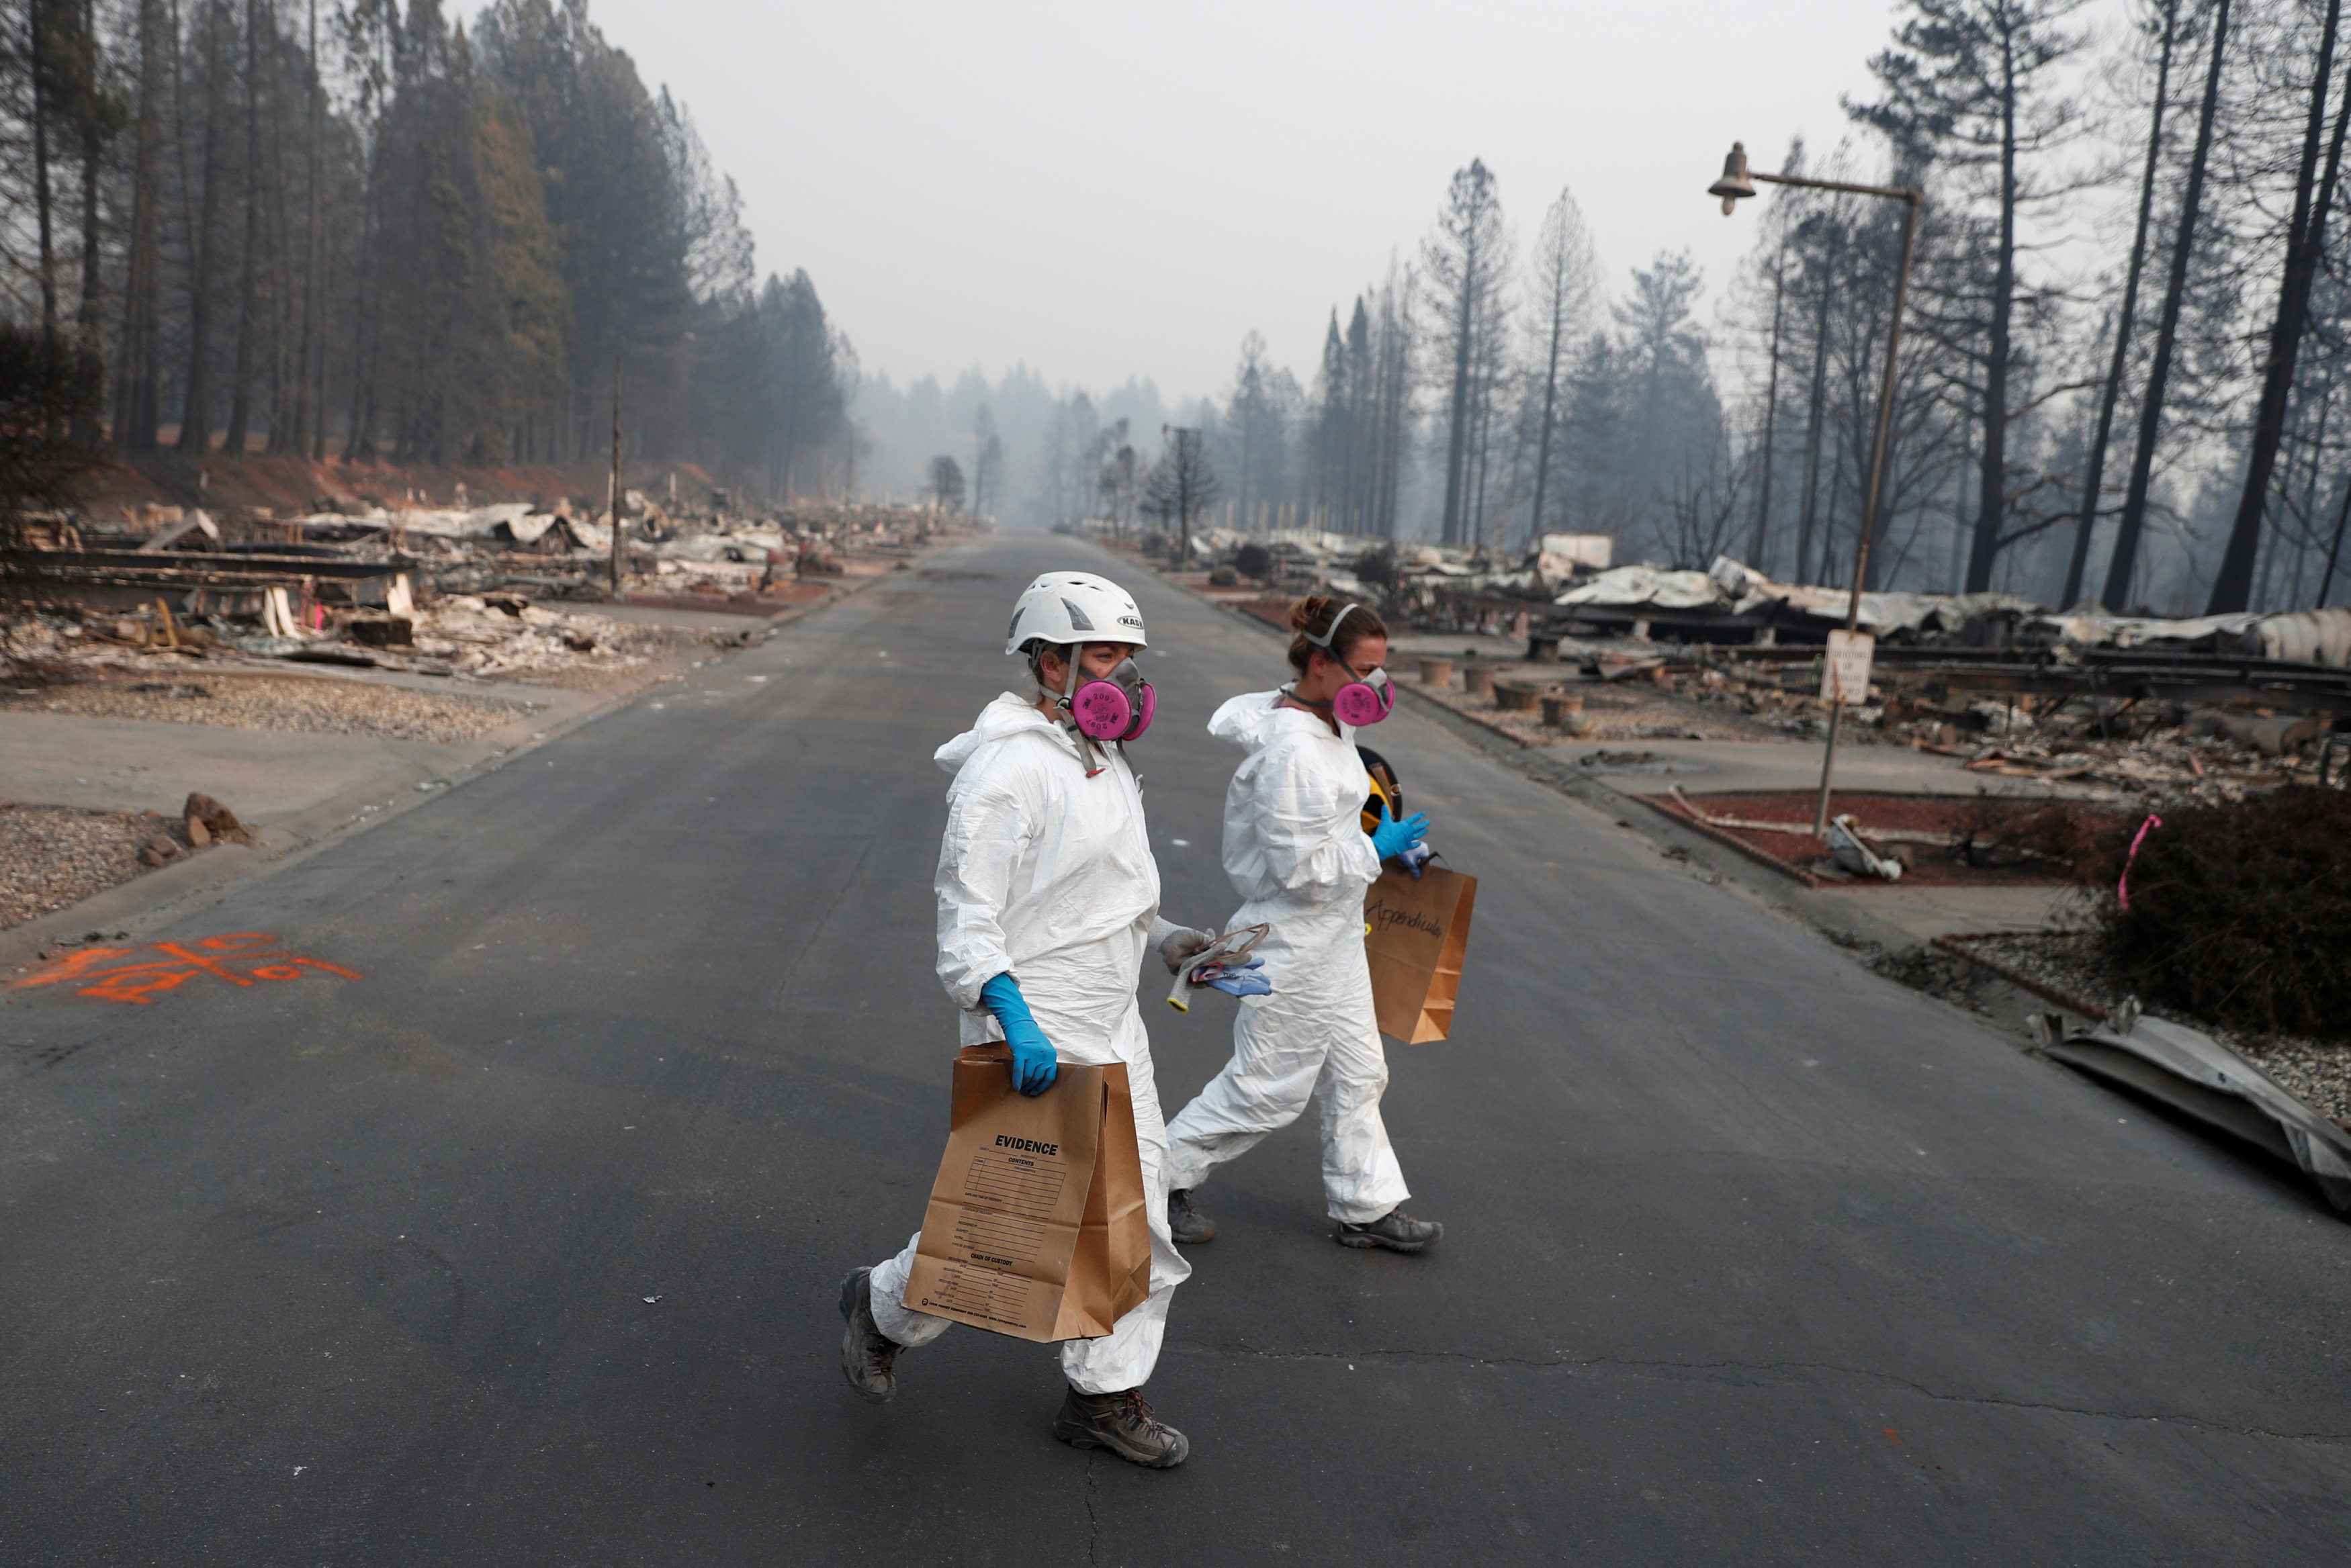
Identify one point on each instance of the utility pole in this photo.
(614, 489)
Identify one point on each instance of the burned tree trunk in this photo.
(2094, 478)
(2125, 560)
(195, 417)
(248, 286)
(135, 412)
(2305, 242)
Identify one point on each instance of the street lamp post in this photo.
(1737, 183)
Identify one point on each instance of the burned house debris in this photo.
(2114, 707)
(492, 591)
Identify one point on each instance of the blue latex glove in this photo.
(1244, 979)
(1391, 838)
(1034, 1068)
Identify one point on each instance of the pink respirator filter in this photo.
(1104, 712)
(1359, 702)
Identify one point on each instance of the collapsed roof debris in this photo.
(449, 591)
(1729, 588)
(2111, 707)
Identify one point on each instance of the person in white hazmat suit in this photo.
(1297, 853)
(1048, 895)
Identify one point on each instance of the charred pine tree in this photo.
(249, 327)
(1332, 403)
(1467, 259)
(1970, 87)
(97, 116)
(2126, 311)
(1821, 237)
(2313, 196)
(138, 364)
(1393, 400)
(40, 54)
(195, 414)
(291, 409)
(1362, 420)
(1668, 398)
(1565, 278)
(2123, 563)
(1759, 541)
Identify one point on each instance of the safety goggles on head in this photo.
(1365, 698)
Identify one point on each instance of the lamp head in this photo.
(1734, 183)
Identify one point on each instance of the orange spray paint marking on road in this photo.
(241, 959)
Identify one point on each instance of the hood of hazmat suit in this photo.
(1045, 873)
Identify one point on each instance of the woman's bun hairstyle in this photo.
(1311, 618)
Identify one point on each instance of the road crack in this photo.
(1093, 1519)
(1766, 1374)
(824, 918)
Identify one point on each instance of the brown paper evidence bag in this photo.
(1416, 933)
(1036, 1226)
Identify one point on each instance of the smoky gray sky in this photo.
(1104, 191)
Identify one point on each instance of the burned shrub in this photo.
(48, 419)
(2001, 831)
(1377, 567)
(2240, 913)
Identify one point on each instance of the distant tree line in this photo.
(1460, 398)
(364, 233)
(2129, 335)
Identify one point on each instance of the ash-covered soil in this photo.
(53, 856)
(327, 707)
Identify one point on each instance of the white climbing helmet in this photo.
(1072, 608)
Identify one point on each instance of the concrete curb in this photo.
(1664, 807)
(1956, 942)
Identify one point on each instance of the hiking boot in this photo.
(1395, 1229)
(1123, 1424)
(1185, 1223)
(869, 1358)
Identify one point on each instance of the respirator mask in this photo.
(1366, 699)
(1116, 707)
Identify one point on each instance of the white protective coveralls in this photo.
(1047, 874)
(1296, 850)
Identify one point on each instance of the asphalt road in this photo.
(522, 1247)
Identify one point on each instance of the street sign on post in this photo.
(1844, 673)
